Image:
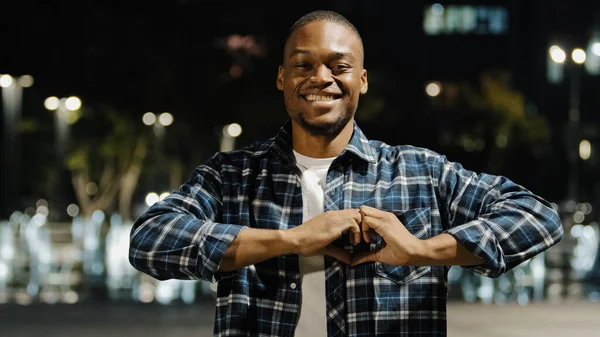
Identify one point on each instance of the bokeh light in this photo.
(6, 81)
(433, 89)
(152, 198)
(578, 55)
(165, 119)
(234, 130)
(52, 103)
(557, 54)
(73, 103)
(149, 118)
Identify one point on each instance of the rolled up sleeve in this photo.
(497, 220)
(180, 236)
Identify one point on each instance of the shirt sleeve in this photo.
(499, 221)
(180, 236)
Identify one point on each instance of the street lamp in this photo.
(12, 98)
(578, 55)
(592, 64)
(66, 114)
(229, 134)
(585, 149)
(557, 62)
(433, 89)
(66, 109)
(158, 122)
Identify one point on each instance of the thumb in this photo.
(363, 257)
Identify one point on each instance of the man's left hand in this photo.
(400, 247)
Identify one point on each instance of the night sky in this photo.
(139, 56)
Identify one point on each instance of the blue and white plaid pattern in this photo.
(186, 235)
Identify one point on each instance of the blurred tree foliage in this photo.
(496, 124)
(106, 161)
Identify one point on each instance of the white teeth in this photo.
(319, 98)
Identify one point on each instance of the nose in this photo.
(321, 75)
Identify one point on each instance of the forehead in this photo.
(324, 36)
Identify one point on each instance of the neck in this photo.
(320, 146)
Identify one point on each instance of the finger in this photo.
(370, 211)
(337, 253)
(365, 228)
(352, 239)
(373, 226)
(370, 256)
(355, 234)
(366, 236)
(376, 224)
(355, 214)
(370, 224)
(354, 230)
(356, 237)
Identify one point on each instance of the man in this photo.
(321, 232)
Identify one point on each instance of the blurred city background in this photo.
(109, 105)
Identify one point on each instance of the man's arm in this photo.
(253, 246)
(180, 237)
(312, 237)
(444, 250)
(497, 220)
(403, 248)
(491, 225)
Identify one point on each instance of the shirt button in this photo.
(297, 184)
(293, 285)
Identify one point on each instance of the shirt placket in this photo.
(334, 270)
(288, 265)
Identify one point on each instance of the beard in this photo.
(325, 129)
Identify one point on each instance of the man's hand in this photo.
(315, 236)
(399, 246)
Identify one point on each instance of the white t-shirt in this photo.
(313, 310)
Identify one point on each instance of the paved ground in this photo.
(573, 319)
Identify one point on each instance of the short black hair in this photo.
(323, 15)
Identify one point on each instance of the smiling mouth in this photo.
(321, 98)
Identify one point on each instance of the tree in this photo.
(106, 166)
(490, 126)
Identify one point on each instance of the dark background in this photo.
(131, 57)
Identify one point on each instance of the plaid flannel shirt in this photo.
(185, 236)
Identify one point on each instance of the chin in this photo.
(329, 127)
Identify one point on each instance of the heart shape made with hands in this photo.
(398, 245)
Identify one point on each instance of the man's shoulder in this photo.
(403, 152)
(251, 152)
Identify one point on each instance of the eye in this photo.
(301, 65)
(341, 68)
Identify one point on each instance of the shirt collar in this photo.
(358, 144)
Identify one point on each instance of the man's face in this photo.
(322, 77)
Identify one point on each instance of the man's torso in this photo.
(374, 299)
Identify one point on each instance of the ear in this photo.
(364, 83)
(280, 73)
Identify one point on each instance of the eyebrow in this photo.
(336, 55)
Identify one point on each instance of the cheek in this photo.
(290, 99)
(289, 88)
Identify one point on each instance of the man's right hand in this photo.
(315, 236)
